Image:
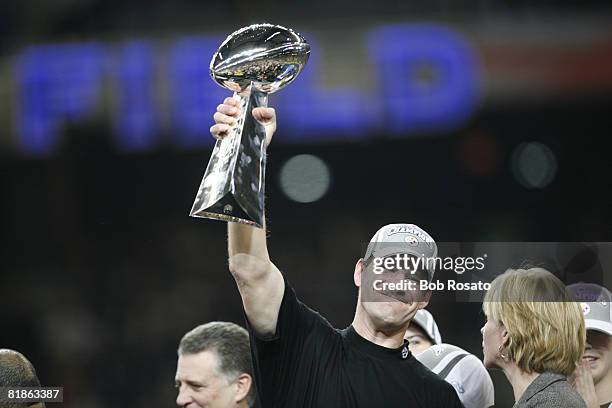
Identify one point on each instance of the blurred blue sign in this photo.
(427, 81)
(136, 118)
(428, 77)
(56, 83)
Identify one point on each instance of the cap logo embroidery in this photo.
(404, 229)
(412, 240)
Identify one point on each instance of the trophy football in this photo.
(253, 62)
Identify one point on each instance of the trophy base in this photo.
(226, 209)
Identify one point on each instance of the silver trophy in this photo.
(253, 62)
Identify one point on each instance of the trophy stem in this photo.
(232, 188)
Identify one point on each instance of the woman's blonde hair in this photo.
(546, 328)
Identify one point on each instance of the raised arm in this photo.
(259, 281)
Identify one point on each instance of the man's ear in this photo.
(359, 266)
(244, 382)
(425, 300)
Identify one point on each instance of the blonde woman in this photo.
(535, 334)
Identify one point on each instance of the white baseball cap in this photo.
(408, 239)
(426, 321)
(464, 371)
(595, 302)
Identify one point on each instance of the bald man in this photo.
(17, 372)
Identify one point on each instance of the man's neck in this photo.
(603, 389)
(519, 379)
(390, 338)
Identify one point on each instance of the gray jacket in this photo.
(550, 390)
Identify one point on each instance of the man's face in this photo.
(598, 353)
(389, 316)
(201, 385)
(418, 341)
(389, 309)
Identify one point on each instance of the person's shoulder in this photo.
(556, 395)
(551, 399)
(290, 296)
(318, 324)
(565, 391)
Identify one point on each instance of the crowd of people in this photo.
(553, 343)
(535, 332)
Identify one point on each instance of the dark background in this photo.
(103, 271)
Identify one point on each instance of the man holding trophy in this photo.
(299, 359)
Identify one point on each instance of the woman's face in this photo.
(492, 339)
